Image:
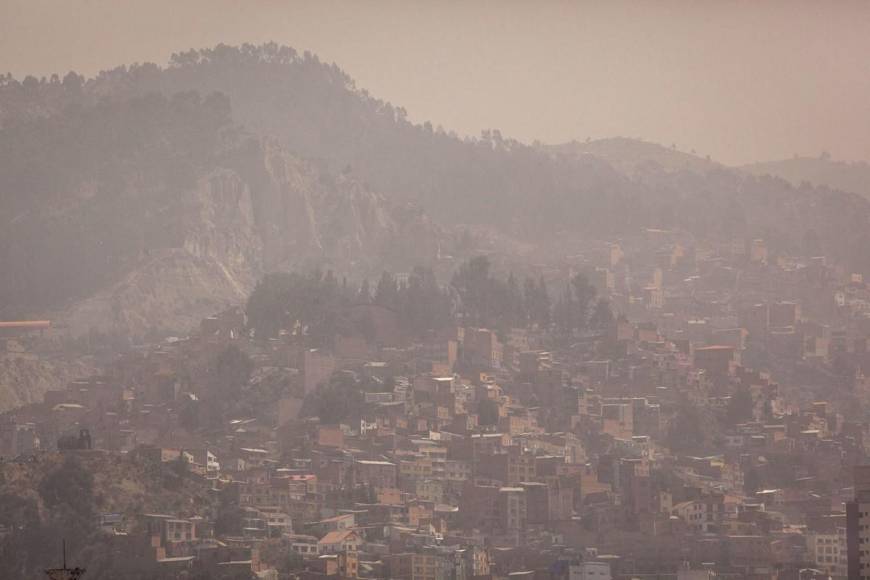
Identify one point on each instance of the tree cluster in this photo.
(33, 542)
(317, 307)
(578, 310)
(341, 399)
(489, 301)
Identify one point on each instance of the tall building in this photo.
(858, 526)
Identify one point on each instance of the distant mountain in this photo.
(316, 112)
(634, 157)
(823, 171)
(148, 196)
(705, 197)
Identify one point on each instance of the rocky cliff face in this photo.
(24, 378)
(144, 214)
(215, 262)
(237, 222)
(306, 215)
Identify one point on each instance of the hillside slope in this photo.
(113, 199)
(634, 157)
(822, 171)
(147, 214)
(315, 110)
(24, 379)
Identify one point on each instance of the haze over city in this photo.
(741, 82)
(434, 290)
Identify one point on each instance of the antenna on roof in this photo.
(64, 573)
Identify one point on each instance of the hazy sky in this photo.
(741, 81)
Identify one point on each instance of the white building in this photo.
(590, 571)
(828, 552)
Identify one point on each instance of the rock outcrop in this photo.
(25, 378)
(234, 225)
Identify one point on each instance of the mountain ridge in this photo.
(635, 156)
(853, 177)
(328, 169)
